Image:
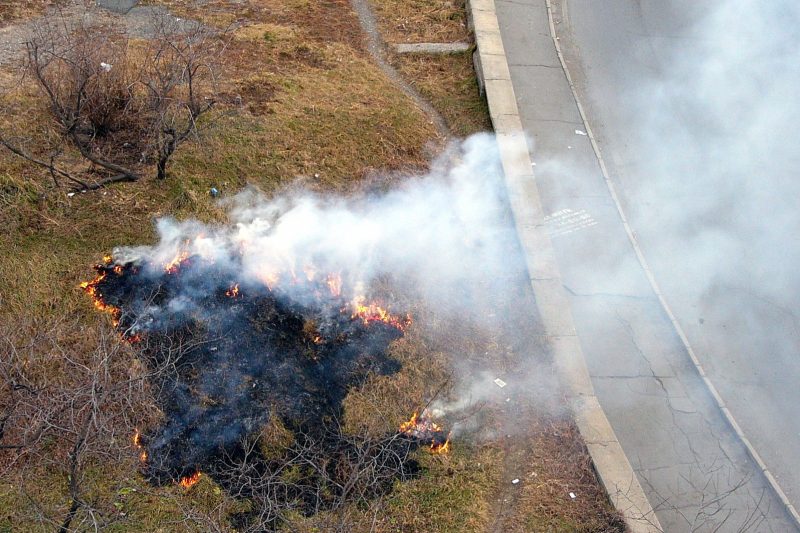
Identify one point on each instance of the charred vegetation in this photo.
(228, 359)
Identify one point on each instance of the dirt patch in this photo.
(139, 22)
(256, 94)
(321, 21)
(13, 10)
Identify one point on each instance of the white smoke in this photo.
(718, 128)
(434, 232)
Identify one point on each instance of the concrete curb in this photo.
(431, 48)
(609, 459)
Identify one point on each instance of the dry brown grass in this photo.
(448, 82)
(418, 21)
(303, 102)
(14, 10)
(560, 465)
(301, 99)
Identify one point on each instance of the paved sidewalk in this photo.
(693, 468)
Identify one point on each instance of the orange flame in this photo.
(188, 482)
(423, 426)
(270, 279)
(173, 266)
(334, 282)
(233, 292)
(375, 313)
(90, 288)
(441, 448)
(137, 441)
(411, 425)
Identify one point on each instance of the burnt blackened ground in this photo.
(226, 358)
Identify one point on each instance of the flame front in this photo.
(137, 441)
(441, 448)
(334, 282)
(372, 312)
(173, 266)
(90, 288)
(233, 292)
(425, 429)
(188, 482)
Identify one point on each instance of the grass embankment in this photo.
(303, 102)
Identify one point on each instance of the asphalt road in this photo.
(728, 286)
(737, 307)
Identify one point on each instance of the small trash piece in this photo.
(213, 192)
(572, 495)
(515, 481)
(499, 382)
(579, 132)
(106, 67)
(70, 194)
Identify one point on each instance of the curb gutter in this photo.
(610, 462)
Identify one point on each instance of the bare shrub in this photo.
(122, 104)
(65, 413)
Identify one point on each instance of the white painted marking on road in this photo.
(565, 221)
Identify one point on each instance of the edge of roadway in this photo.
(612, 465)
(751, 450)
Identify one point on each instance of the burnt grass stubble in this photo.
(224, 363)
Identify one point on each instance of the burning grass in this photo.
(287, 348)
(318, 112)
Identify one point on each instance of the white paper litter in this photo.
(105, 66)
(515, 481)
(572, 495)
(499, 382)
(70, 194)
(579, 132)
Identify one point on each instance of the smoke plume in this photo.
(278, 313)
